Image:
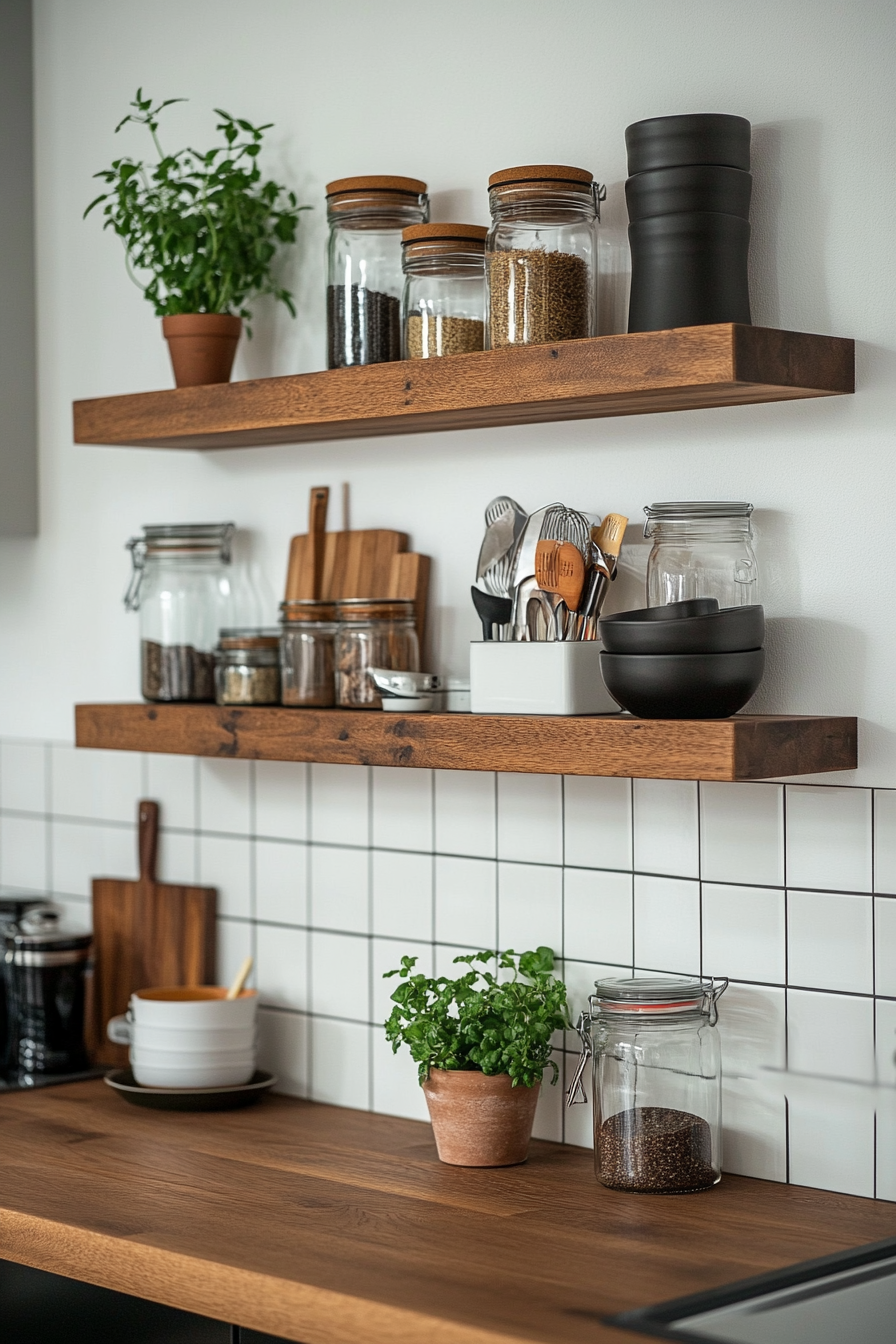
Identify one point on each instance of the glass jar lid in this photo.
(307, 609)
(186, 541)
(374, 609)
(657, 995)
(544, 185)
(431, 241)
(701, 511)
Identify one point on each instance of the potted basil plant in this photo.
(204, 230)
(482, 1043)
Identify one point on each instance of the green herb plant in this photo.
(204, 226)
(481, 1020)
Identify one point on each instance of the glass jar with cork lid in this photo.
(308, 628)
(247, 667)
(443, 306)
(366, 216)
(541, 255)
(372, 633)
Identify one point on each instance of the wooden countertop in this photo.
(330, 1226)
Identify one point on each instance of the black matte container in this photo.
(683, 685)
(699, 137)
(689, 271)
(676, 191)
(731, 630)
(46, 960)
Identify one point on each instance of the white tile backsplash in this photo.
(597, 819)
(886, 1104)
(281, 881)
(830, 941)
(465, 813)
(402, 895)
(402, 808)
(340, 1063)
(82, 851)
(340, 889)
(236, 942)
(177, 857)
(667, 924)
(23, 776)
(466, 901)
(832, 1141)
(666, 827)
(340, 975)
(831, 1035)
(744, 934)
(396, 1087)
(742, 833)
(753, 1029)
(828, 838)
(100, 785)
(281, 967)
(885, 840)
(530, 818)
(24, 853)
(885, 945)
(598, 916)
(281, 799)
(225, 796)
(340, 804)
(225, 862)
(530, 907)
(283, 1049)
(173, 782)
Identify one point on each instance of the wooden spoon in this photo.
(239, 980)
(609, 536)
(570, 566)
(546, 574)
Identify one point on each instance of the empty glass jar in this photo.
(372, 634)
(701, 549)
(364, 277)
(443, 306)
(247, 667)
(306, 653)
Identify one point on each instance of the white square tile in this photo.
(281, 799)
(340, 804)
(829, 941)
(225, 797)
(23, 776)
(885, 1043)
(667, 924)
(465, 812)
(23, 853)
(402, 808)
(752, 1026)
(597, 821)
(340, 975)
(402, 894)
(744, 933)
(886, 1104)
(530, 907)
(466, 902)
(386, 956)
(832, 1142)
(885, 945)
(102, 785)
(828, 838)
(172, 781)
(753, 1030)
(597, 916)
(742, 833)
(77, 909)
(340, 1063)
(578, 1120)
(281, 967)
(666, 828)
(530, 818)
(283, 1049)
(340, 889)
(225, 863)
(235, 943)
(754, 1131)
(281, 881)
(884, 840)
(549, 1111)
(830, 1034)
(177, 857)
(396, 1087)
(82, 851)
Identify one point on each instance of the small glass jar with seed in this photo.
(247, 667)
(307, 632)
(372, 634)
(541, 255)
(443, 306)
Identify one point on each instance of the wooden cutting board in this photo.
(146, 933)
(355, 564)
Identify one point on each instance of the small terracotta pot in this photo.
(480, 1121)
(202, 346)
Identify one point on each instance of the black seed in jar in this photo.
(176, 672)
(536, 297)
(655, 1149)
(368, 331)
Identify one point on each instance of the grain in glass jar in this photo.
(306, 653)
(541, 255)
(247, 667)
(372, 633)
(443, 306)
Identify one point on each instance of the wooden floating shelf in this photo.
(681, 370)
(745, 747)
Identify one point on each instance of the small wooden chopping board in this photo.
(146, 933)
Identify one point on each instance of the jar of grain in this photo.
(656, 1081)
(541, 255)
(364, 278)
(372, 634)
(443, 306)
(306, 653)
(247, 667)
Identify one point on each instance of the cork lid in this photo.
(578, 178)
(374, 609)
(412, 186)
(253, 638)
(473, 233)
(456, 243)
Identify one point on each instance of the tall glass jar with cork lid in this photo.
(541, 255)
(443, 307)
(366, 216)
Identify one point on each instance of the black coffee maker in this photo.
(45, 964)
(12, 907)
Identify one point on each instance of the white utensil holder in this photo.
(553, 677)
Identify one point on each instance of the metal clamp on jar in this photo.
(656, 1080)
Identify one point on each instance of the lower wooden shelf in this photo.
(741, 748)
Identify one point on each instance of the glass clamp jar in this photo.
(657, 1082)
(443, 305)
(180, 585)
(370, 634)
(307, 632)
(366, 216)
(701, 549)
(247, 667)
(541, 255)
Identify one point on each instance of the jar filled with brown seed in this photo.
(443, 306)
(369, 634)
(307, 670)
(247, 667)
(656, 1082)
(541, 255)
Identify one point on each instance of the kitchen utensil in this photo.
(239, 979)
(701, 137)
(523, 570)
(675, 191)
(683, 685)
(123, 1082)
(611, 534)
(570, 574)
(189, 1036)
(729, 631)
(146, 933)
(406, 692)
(46, 959)
(547, 576)
(606, 543)
(492, 611)
(499, 537)
(689, 270)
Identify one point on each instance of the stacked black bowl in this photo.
(688, 197)
(688, 660)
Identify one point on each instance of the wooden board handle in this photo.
(148, 841)
(317, 526)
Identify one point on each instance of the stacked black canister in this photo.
(688, 199)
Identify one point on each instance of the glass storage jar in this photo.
(372, 634)
(364, 278)
(181, 586)
(307, 632)
(701, 549)
(443, 305)
(247, 667)
(656, 1081)
(541, 255)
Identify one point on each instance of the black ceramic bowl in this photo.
(701, 137)
(731, 630)
(682, 685)
(699, 186)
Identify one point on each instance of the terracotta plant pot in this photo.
(202, 346)
(480, 1121)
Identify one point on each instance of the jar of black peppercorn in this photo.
(366, 216)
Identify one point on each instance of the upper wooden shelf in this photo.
(681, 370)
(745, 747)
